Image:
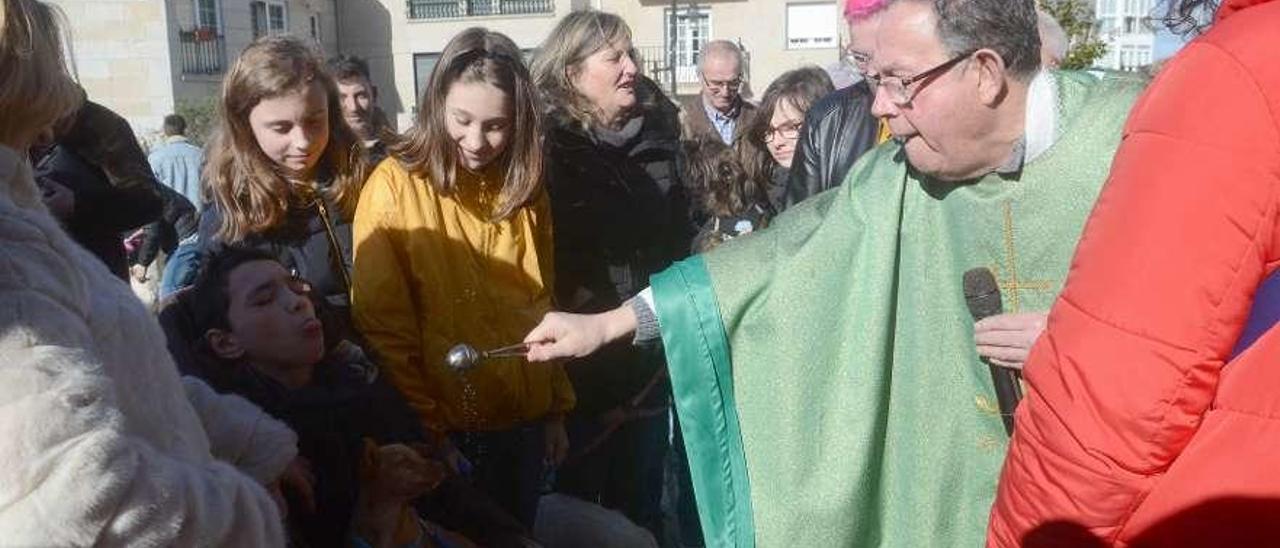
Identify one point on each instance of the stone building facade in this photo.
(142, 58)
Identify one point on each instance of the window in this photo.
(423, 63)
(258, 16)
(275, 16)
(207, 14)
(1137, 8)
(812, 26)
(269, 18)
(692, 30)
(315, 28)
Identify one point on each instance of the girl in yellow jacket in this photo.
(453, 245)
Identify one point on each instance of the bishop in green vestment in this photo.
(824, 369)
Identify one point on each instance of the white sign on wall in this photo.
(812, 26)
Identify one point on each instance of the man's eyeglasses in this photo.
(730, 85)
(789, 130)
(859, 58)
(856, 59)
(899, 89)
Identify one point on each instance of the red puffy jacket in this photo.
(1137, 430)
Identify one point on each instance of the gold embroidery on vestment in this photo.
(1007, 274)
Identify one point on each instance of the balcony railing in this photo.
(449, 9)
(202, 51)
(655, 64)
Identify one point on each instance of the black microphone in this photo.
(982, 295)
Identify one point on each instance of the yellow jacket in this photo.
(431, 271)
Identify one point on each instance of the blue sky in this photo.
(1167, 44)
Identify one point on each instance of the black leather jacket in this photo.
(838, 129)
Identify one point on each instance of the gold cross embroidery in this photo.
(1011, 285)
(1007, 277)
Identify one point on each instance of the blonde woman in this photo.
(453, 245)
(104, 444)
(621, 215)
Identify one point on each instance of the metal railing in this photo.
(449, 9)
(202, 51)
(655, 63)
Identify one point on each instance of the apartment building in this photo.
(402, 39)
(143, 57)
(777, 36)
(1125, 26)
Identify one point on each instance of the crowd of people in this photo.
(736, 321)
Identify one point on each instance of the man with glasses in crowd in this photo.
(829, 380)
(719, 110)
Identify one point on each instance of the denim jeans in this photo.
(182, 267)
(623, 473)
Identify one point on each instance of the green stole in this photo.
(824, 369)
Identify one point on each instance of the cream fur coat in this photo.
(101, 442)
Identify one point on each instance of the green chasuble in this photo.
(824, 369)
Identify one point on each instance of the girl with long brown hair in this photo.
(453, 245)
(284, 170)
